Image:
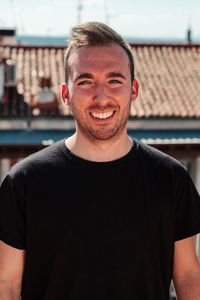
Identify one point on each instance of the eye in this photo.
(115, 82)
(84, 82)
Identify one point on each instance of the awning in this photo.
(45, 136)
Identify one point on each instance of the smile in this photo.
(102, 115)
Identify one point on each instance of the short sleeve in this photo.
(187, 217)
(12, 213)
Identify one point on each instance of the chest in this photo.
(107, 208)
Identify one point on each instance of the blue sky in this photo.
(141, 18)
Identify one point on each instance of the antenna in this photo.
(79, 11)
(107, 16)
(12, 4)
(189, 32)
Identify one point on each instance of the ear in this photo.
(135, 88)
(65, 94)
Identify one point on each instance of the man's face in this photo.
(100, 91)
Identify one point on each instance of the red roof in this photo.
(168, 75)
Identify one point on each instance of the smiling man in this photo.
(98, 215)
(100, 88)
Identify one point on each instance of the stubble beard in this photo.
(102, 134)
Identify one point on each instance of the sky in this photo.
(130, 18)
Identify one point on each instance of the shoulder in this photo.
(44, 159)
(155, 159)
(166, 171)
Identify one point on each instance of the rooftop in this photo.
(168, 75)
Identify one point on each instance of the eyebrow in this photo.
(84, 75)
(115, 74)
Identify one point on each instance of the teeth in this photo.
(102, 115)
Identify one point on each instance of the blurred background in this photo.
(165, 40)
(143, 20)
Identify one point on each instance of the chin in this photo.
(104, 134)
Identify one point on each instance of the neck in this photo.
(100, 151)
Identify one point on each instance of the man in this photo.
(98, 215)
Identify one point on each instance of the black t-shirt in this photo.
(97, 230)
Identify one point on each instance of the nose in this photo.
(101, 94)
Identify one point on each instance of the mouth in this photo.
(102, 116)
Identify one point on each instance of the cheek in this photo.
(81, 95)
(80, 100)
(121, 95)
(120, 90)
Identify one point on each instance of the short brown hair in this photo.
(95, 34)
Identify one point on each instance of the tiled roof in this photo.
(169, 78)
(33, 62)
(168, 75)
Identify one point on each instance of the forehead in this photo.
(99, 58)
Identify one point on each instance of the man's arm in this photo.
(186, 272)
(11, 271)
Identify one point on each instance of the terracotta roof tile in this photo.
(169, 78)
(168, 75)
